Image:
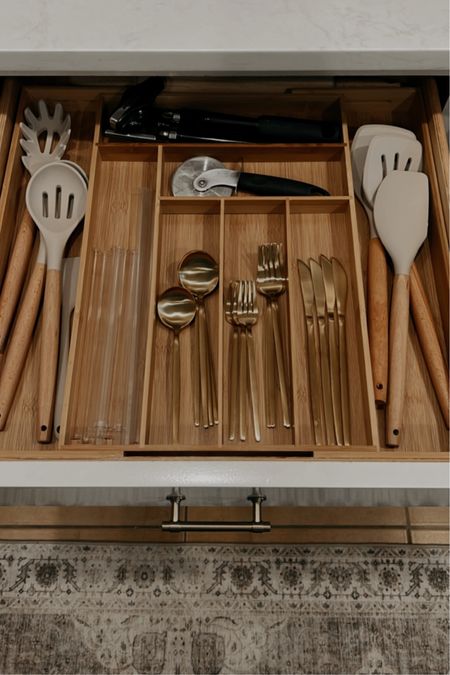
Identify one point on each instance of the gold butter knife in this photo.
(313, 350)
(341, 286)
(330, 298)
(319, 295)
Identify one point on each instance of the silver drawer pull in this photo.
(256, 525)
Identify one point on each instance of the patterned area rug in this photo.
(78, 608)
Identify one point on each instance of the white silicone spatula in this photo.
(377, 277)
(401, 214)
(56, 200)
(386, 154)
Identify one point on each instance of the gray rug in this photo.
(88, 608)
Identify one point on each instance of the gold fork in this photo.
(263, 285)
(236, 306)
(273, 285)
(247, 316)
(234, 390)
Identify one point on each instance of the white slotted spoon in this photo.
(56, 131)
(56, 200)
(385, 154)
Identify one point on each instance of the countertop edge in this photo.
(324, 474)
(224, 63)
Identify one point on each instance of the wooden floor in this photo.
(371, 525)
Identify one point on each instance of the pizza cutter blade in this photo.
(184, 176)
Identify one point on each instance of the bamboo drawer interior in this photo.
(135, 234)
(84, 110)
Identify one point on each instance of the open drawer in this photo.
(135, 228)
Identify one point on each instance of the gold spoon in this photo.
(176, 309)
(198, 273)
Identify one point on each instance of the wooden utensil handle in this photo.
(15, 275)
(378, 320)
(397, 358)
(429, 342)
(49, 354)
(20, 341)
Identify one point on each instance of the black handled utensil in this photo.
(206, 177)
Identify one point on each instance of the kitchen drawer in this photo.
(129, 205)
(9, 95)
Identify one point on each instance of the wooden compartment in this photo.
(249, 223)
(130, 187)
(84, 108)
(424, 430)
(180, 233)
(9, 98)
(118, 232)
(319, 164)
(316, 229)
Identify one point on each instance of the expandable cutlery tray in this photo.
(132, 216)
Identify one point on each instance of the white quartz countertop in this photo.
(133, 37)
(224, 474)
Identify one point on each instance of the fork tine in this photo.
(251, 298)
(279, 261)
(276, 260)
(270, 260)
(281, 257)
(240, 298)
(246, 297)
(264, 260)
(260, 258)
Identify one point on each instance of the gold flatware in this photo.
(247, 315)
(330, 299)
(234, 389)
(320, 302)
(272, 284)
(313, 350)
(198, 273)
(176, 309)
(341, 286)
(263, 285)
(243, 361)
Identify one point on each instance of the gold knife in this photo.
(319, 295)
(330, 298)
(341, 286)
(313, 350)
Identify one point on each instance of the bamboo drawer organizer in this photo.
(130, 205)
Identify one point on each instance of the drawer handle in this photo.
(255, 525)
